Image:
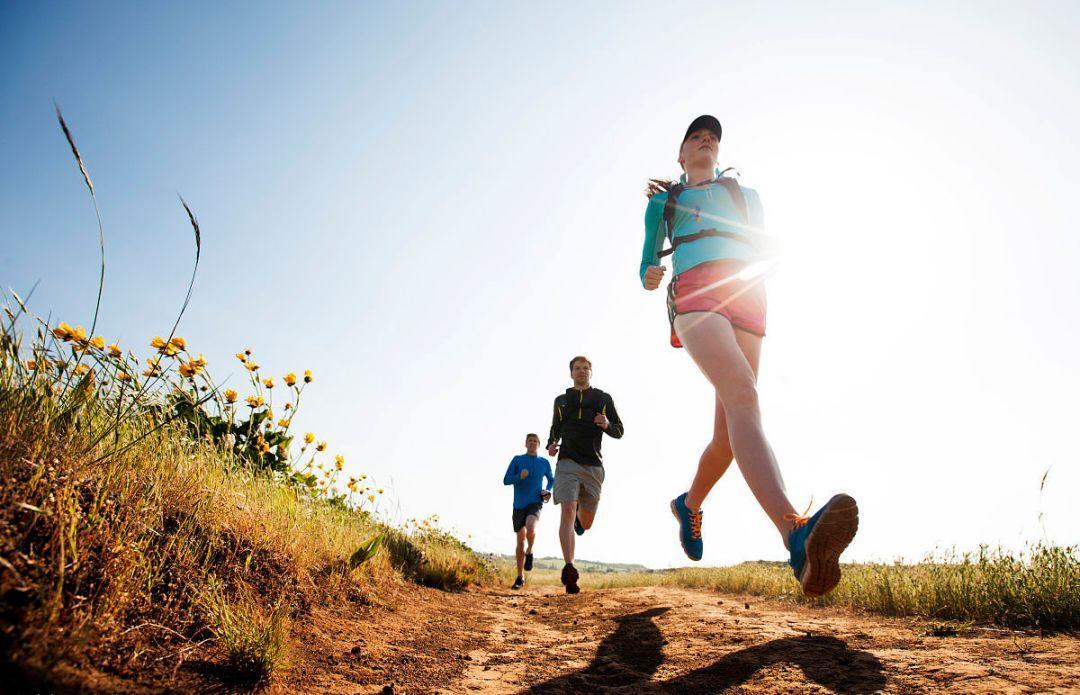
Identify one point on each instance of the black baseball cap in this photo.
(708, 122)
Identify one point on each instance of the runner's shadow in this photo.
(826, 661)
(628, 658)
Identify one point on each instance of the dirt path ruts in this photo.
(659, 640)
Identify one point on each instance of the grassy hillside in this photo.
(126, 536)
(147, 514)
(556, 563)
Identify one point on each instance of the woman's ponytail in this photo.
(661, 185)
(657, 186)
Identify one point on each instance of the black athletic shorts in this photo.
(520, 514)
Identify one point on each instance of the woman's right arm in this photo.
(650, 271)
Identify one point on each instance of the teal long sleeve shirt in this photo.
(698, 208)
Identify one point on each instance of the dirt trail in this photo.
(654, 640)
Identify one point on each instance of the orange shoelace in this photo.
(695, 524)
(799, 520)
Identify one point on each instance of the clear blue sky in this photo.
(434, 206)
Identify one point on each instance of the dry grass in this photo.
(141, 521)
(161, 546)
(254, 639)
(1039, 588)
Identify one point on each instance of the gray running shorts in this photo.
(576, 482)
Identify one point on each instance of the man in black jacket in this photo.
(581, 417)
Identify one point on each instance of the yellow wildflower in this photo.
(62, 332)
(321, 446)
(78, 334)
(339, 461)
(31, 364)
(268, 383)
(309, 438)
(178, 342)
(241, 356)
(352, 485)
(115, 350)
(371, 498)
(289, 379)
(252, 366)
(283, 422)
(230, 396)
(81, 369)
(307, 376)
(380, 491)
(123, 376)
(269, 416)
(254, 401)
(166, 348)
(200, 360)
(189, 369)
(98, 342)
(288, 406)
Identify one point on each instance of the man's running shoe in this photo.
(528, 562)
(689, 527)
(578, 528)
(519, 582)
(570, 579)
(816, 543)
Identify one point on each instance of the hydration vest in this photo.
(671, 204)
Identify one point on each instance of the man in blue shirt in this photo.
(527, 473)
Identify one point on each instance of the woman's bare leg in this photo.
(717, 456)
(712, 343)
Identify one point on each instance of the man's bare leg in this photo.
(520, 550)
(566, 530)
(530, 535)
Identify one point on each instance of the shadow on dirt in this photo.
(221, 680)
(627, 659)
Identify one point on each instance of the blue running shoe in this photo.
(816, 543)
(578, 528)
(689, 527)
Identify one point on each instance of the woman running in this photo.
(716, 306)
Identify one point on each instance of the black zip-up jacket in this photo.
(572, 421)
